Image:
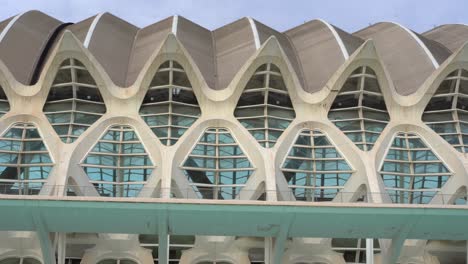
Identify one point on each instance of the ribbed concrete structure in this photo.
(244, 112)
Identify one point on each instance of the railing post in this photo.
(369, 251)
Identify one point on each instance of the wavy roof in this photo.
(409, 57)
(452, 36)
(315, 49)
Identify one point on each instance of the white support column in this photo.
(61, 247)
(393, 252)
(369, 251)
(163, 245)
(268, 250)
(280, 240)
(48, 254)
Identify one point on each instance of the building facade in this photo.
(101, 108)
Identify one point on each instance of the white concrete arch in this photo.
(242, 138)
(94, 134)
(171, 49)
(70, 47)
(419, 99)
(366, 55)
(440, 148)
(340, 142)
(49, 141)
(270, 52)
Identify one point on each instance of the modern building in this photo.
(177, 144)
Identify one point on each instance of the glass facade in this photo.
(359, 109)
(217, 168)
(411, 171)
(170, 106)
(4, 104)
(314, 168)
(25, 163)
(74, 102)
(118, 165)
(447, 112)
(264, 107)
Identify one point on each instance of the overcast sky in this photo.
(350, 15)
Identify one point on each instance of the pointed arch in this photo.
(460, 197)
(170, 106)
(411, 171)
(217, 167)
(353, 249)
(74, 101)
(359, 109)
(69, 47)
(265, 108)
(447, 111)
(314, 168)
(25, 161)
(118, 165)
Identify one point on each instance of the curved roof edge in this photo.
(23, 58)
(420, 42)
(91, 29)
(451, 36)
(10, 25)
(175, 24)
(337, 37)
(254, 32)
(229, 46)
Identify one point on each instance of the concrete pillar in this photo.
(369, 251)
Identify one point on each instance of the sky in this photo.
(350, 15)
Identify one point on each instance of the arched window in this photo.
(447, 111)
(264, 107)
(74, 102)
(177, 245)
(314, 168)
(116, 261)
(170, 106)
(359, 108)
(25, 163)
(217, 168)
(214, 262)
(353, 250)
(118, 164)
(411, 171)
(17, 260)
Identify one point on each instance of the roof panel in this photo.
(147, 40)
(234, 44)
(111, 43)
(265, 32)
(199, 43)
(24, 43)
(81, 29)
(452, 36)
(405, 54)
(319, 51)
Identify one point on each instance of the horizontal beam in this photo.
(233, 218)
